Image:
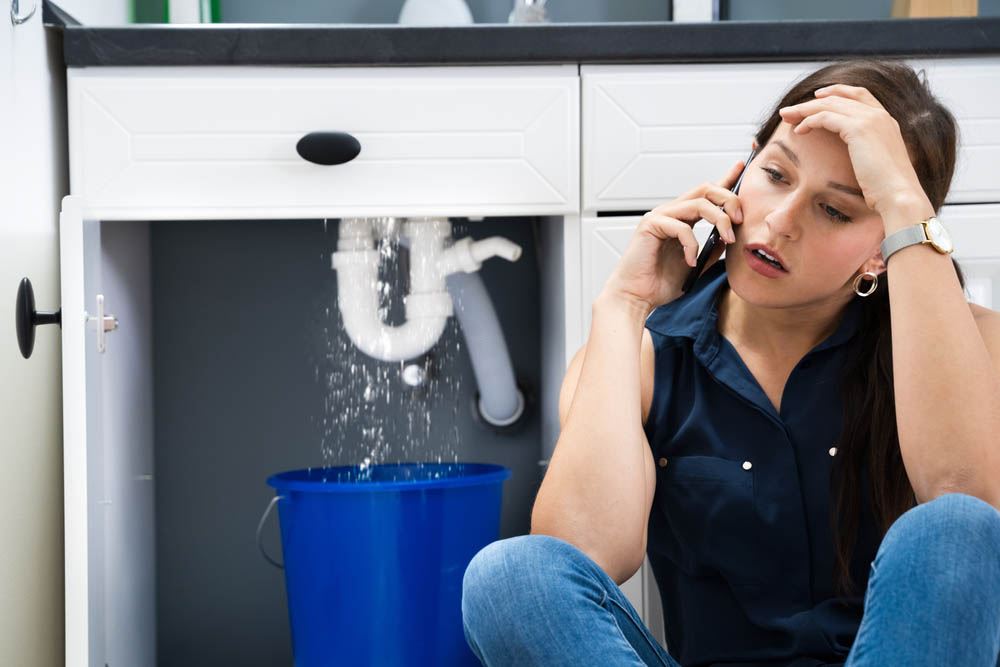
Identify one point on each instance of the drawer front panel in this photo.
(970, 89)
(975, 231)
(652, 132)
(486, 140)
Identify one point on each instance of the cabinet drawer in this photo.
(652, 132)
(976, 233)
(970, 89)
(222, 141)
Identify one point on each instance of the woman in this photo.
(778, 439)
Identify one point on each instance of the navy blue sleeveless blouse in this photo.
(740, 540)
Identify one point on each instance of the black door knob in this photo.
(328, 147)
(26, 318)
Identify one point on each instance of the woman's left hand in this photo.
(874, 143)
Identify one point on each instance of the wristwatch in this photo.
(930, 231)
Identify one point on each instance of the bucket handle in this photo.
(260, 527)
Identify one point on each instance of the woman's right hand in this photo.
(663, 249)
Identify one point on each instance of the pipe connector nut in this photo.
(459, 257)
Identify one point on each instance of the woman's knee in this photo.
(488, 568)
(951, 528)
(956, 515)
(509, 574)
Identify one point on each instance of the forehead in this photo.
(820, 152)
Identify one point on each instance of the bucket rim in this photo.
(302, 479)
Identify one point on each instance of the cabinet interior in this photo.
(218, 376)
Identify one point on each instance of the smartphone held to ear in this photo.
(713, 238)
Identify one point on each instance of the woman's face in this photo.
(796, 198)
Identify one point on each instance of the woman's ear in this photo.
(875, 264)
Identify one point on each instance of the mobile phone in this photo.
(714, 237)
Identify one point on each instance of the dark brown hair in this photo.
(869, 436)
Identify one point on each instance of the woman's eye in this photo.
(776, 177)
(772, 174)
(835, 214)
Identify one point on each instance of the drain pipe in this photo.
(357, 263)
(429, 303)
(499, 402)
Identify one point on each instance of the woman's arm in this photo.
(598, 489)
(946, 365)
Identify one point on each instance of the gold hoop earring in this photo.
(871, 290)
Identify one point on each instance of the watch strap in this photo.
(906, 236)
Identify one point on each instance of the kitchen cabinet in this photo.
(195, 146)
(586, 150)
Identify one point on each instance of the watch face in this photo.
(938, 236)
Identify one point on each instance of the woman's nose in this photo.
(785, 218)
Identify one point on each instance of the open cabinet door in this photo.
(82, 442)
(108, 441)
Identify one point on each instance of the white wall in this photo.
(95, 12)
(32, 181)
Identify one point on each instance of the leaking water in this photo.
(370, 415)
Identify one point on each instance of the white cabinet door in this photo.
(82, 452)
(107, 442)
(603, 240)
(976, 233)
(220, 142)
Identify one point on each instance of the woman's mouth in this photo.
(764, 264)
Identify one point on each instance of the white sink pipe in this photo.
(438, 272)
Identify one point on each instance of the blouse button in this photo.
(747, 465)
(833, 451)
(663, 462)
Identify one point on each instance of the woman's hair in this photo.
(869, 436)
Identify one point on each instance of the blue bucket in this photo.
(374, 559)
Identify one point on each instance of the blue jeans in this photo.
(933, 599)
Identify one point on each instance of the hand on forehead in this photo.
(819, 155)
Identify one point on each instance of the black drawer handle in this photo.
(26, 318)
(328, 147)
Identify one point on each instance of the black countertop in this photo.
(316, 44)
